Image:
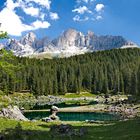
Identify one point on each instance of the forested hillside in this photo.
(114, 71)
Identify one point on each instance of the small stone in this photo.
(47, 119)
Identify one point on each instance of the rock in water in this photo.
(54, 110)
(53, 116)
(12, 113)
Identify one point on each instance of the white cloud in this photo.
(99, 17)
(11, 5)
(86, 1)
(42, 16)
(15, 26)
(54, 16)
(82, 10)
(45, 3)
(89, 10)
(77, 18)
(31, 11)
(39, 24)
(99, 7)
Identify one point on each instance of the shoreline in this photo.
(125, 111)
(87, 108)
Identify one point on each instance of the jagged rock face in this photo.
(29, 39)
(89, 40)
(19, 49)
(108, 42)
(71, 42)
(70, 38)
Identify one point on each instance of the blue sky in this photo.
(52, 17)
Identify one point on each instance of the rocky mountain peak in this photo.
(70, 32)
(29, 39)
(12, 42)
(69, 38)
(90, 33)
(30, 36)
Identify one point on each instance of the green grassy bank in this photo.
(127, 130)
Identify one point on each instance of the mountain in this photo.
(70, 42)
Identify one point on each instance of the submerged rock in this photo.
(13, 113)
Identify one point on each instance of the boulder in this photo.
(66, 130)
(47, 119)
(54, 117)
(54, 108)
(13, 113)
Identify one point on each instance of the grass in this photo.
(78, 99)
(25, 100)
(77, 102)
(76, 95)
(128, 130)
(28, 100)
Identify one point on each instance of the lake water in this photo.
(73, 116)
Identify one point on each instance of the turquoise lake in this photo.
(74, 116)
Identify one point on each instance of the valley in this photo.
(98, 91)
(69, 70)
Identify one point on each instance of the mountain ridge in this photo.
(70, 42)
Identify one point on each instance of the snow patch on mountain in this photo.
(130, 45)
